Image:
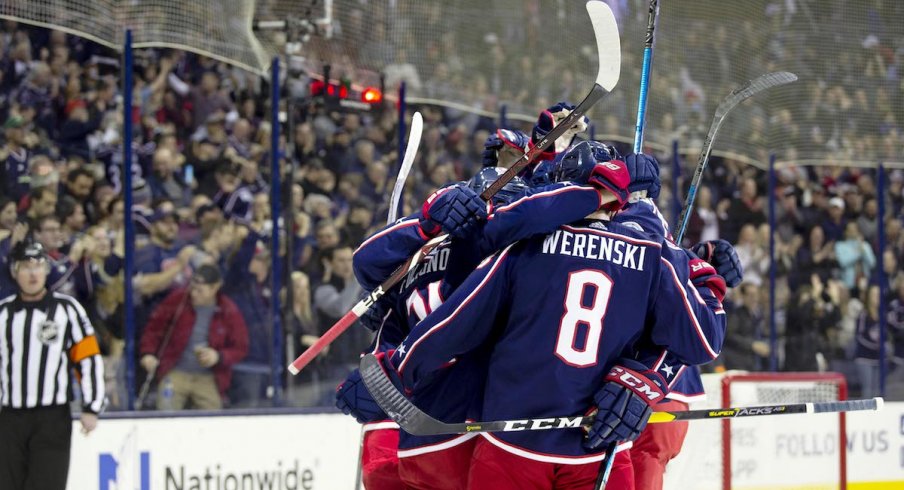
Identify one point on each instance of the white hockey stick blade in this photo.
(608, 44)
(414, 141)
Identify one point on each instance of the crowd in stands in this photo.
(203, 248)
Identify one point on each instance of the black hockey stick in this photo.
(736, 96)
(609, 50)
(415, 421)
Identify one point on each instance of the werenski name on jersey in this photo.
(593, 246)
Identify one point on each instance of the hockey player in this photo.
(454, 210)
(660, 443)
(540, 211)
(581, 265)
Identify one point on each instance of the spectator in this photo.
(166, 179)
(160, 265)
(302, 313)
(233, 198)
(812, 318)
(79, 185)
(867, 345)
(8, 217)
(835, 223)
(71, 214)
(191, 342)
(14, 172)
(895, 387)
(747, 347)
(747, 209)
(42, 202)
(248, 285)
(337, 293)
(752, 254)
(816, 257)
(856, 258)
(205, 98)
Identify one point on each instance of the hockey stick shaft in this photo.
(645, 76)
(417, 422)
(608, 46)
(414, 141)
(737, 96)
(640, 125)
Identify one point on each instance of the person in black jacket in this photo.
(45, 336)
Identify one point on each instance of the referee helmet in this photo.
(28, 251)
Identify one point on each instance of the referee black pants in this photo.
(34, 448)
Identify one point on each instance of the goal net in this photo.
(784, 452)
(220, 29)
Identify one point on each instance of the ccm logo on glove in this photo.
(639, 384)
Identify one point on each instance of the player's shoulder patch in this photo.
(633, 225)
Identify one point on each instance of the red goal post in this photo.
(787, 452)
(746, 389)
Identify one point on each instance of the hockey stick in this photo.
(414, 141)
(609, 50)
(645, 76)
(642, 96)
(146, 386)
(415, 421)
(737, 96)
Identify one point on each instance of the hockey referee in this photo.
(43, 336)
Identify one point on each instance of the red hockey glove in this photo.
(612, 176)
(703, 274)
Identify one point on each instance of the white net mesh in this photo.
(220, 30)
(475, 56)
(776, 452)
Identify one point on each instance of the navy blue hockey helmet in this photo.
(512, 190)
(575, 163)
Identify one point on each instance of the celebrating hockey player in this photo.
(590, 272)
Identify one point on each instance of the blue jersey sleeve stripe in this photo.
(395, 227)
(553, 192)
(442, 323)
(690, 311)
(618, 236)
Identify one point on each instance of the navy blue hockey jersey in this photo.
(685, 382)
(559, 310)
(424, 288)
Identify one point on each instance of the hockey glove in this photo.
(373, 318)
(499, 141)
(624, 403)
(644, 170)
(612, 176)
(549, 119)
(722, 256)
(703, 274)
(353, 399)
(454, 210)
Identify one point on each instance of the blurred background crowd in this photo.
(201, 198)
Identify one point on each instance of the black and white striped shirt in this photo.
(36, 354)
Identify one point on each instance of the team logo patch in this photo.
(48, 332)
